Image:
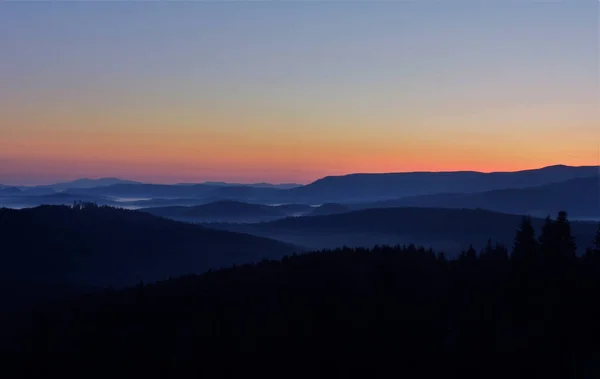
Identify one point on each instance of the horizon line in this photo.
(300, 183)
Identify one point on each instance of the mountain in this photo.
(354, 188)
(253, 185)
(450, 230)
(203, 193)
(147, 191)
(229, 211)
(37, 191)
(25, 200)
(372, 187)
(581, 197)
(402, 312)
(88, 183)
(220, 211)
(295, 210)
(329, 209)
(9, 191)
(104, 246)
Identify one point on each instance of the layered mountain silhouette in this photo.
(221, 211)
(581, 197)
(329, 209)
(37, 191)
(356, 187)
(89, 183)
(103, 246)
(401, 311)
(146, 190)
(25, 200)
(295, 209)
(230, 211)
(254, 185)
(9, 191)
(359, 187)
(450, 230)
(496, 191)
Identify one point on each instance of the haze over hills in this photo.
(348, 188)
(495, 191)
(581, 197)
(88, 183)
(103, 246)
(25, 200)
(7, 191)
(221, 211)
(449, 230)
(330, 208)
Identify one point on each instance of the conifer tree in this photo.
(567, 247)
(525, 245)
(547, 240)
(597, 241)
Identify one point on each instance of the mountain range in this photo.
(228, 211)
(580, 197)
(536, 192)
(449, 230)
(355, 187)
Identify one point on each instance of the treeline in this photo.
(526, 311)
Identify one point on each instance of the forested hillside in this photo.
(90, 245)
(527, 310)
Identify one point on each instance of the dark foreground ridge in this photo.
(90, 245)
(385, 312)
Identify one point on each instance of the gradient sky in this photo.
(293, 91)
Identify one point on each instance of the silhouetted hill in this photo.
(247, 194)
(350, 188)
(162, 202)
(146, 190)
(360, 187)
(451, 230)
(9, 191)
(253, 185)
(329, 209)
(398, 312)
(24, 200)
(220, 211)
(203, 192)
(37, 191)
(103, 246)
(88, 183)
(295, 209)
(581, 197)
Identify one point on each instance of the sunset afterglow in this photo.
(292, 92)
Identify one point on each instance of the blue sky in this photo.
(284, 91)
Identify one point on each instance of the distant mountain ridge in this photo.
(580, 196)
(347, 189)
(220, 211)
(86, 183)
(255, 185)
(9, 191)
(358, 187)
(330, 208)
(229, 211)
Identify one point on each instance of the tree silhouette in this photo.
(567, 247)
(597, 241)
(342, 313)
(525, 244)
(548, 241)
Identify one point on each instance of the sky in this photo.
(252, 91)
